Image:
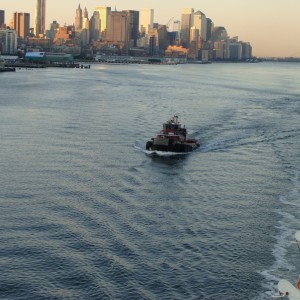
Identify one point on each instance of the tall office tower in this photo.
(85, 20)
(117, 29)
(146, 20)
(187, 18)
(104, 18)
(78, 18)
(200, 23)
(85, 14)
(86, 25)
(176, 28)
(95, 26)
(22, 24)
(2, 17)
(133, 27)
(209, 28)
(40, 17)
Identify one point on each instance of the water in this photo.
(85, 213)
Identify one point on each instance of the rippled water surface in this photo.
(86, 213)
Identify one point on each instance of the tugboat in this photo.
(172, 138)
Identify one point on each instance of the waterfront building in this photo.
(222, 50)
(200, 23)
(48, 57)
(22, 24)
(104, 12)
(2, 18)
(78, 18)
(236, 51)
(187, 18)
(95, 26)
(8, 41)
(39, 44)
(146, 20)
(40, 17)
(246, 50)
(132, 27)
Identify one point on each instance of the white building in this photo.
(8, 41)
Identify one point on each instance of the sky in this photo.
(271, 26)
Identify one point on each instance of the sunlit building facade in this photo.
(187, 18)
(200, 23)
(117, 31)
(104, 12)
(146, 20)
(22, 24)
(40, 17)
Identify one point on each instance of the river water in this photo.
(87, 213)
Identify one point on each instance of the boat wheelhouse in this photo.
(172, 138)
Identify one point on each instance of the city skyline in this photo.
(272, 30)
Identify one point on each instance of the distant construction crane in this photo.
(168, 24)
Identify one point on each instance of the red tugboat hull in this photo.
(173, 138)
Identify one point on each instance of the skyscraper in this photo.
(146, 20)
(86, 25)
(209, 28)
(95, 26)
(177, 28)
(22, 24)
(104, 19)
(78, 18)
(133, 26)
(2, 17)
(187, 18)
(117, 29)
(200, 22)
(40, 17)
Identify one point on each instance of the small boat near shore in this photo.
(172, 138)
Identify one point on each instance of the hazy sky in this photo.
(271, 26)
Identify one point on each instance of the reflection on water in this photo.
(87, 213)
